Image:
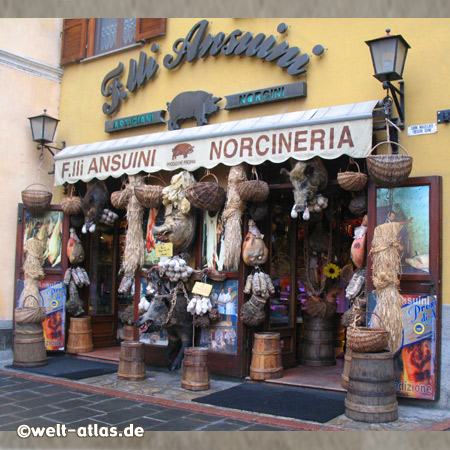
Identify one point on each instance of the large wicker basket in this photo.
(253, 190)
(36, 200)
(352, 181)
(389, 170)
(367, 339)
(31, 312)
(208, 196)
(149, 195)
(119, 199)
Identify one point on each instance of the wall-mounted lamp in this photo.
(43, 129)
(388, 57)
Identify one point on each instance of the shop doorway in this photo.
(299, 253)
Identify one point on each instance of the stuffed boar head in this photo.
(93, 204)
(156, 315)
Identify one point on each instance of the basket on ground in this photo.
(366, 339)
(205, 195)
(149, 195)
(36, 200)
(352, 181)
(253, 190)
(389, 170)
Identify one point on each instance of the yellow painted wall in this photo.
(342, 75)
(22, 95)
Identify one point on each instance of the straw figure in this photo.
(232, 216)
(32, 267)
(385, 269)
(134, 243)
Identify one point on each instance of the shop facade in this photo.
(208, 96)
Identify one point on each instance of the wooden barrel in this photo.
(80, 335)
(195, 369)
(266, 357)
(128, 334)
(347, 365)
(318, 342)
(339, 336)
(29, 345)
(371, 395)
(131, 361)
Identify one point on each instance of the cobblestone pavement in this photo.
(159, 403)
(40, 403)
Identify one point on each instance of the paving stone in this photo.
(73, 415)
(74, 403)
(221, 426)
(85, 423)
(262, 427)
(8, 419)
(123, 415)
(46, 400)
(170, 414)
(205, 417)
(10, 408)
(36, 412)
(181, 424)
(95, 398)
(145, 422)
(23, 396)
(113, 404)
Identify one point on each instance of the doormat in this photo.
(70, 367)
(298, 403)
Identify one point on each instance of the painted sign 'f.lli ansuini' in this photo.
(200, 44)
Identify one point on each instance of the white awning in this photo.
(326, 132)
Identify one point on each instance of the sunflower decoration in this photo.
(331, 270)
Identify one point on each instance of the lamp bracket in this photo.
(398, 96)
(48, 147)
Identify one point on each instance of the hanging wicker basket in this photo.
(119, 199)
(253, 190)
(36, 200)
(208, 196)
(352, 181)
(149, 195)
(366, 339)
(31, 312)
(389, 170)
(72, 204)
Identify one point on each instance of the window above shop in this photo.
(85, 38)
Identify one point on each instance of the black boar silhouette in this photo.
(191, 104)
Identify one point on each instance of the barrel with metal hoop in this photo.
(266, 357)
(371, 395)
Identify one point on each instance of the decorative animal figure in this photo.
(308, 179)
(182, 149)
(93, 204)
(178, 228)
(178, 327)
(421, 262)
(191, 104)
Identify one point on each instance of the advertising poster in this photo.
(221, 336)
(48, 228)
(53, 298)
(416, 363)
(408, 206)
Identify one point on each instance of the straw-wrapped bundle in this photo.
(32, 267)
(385, 269)
(134, 241)
(231, 216)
